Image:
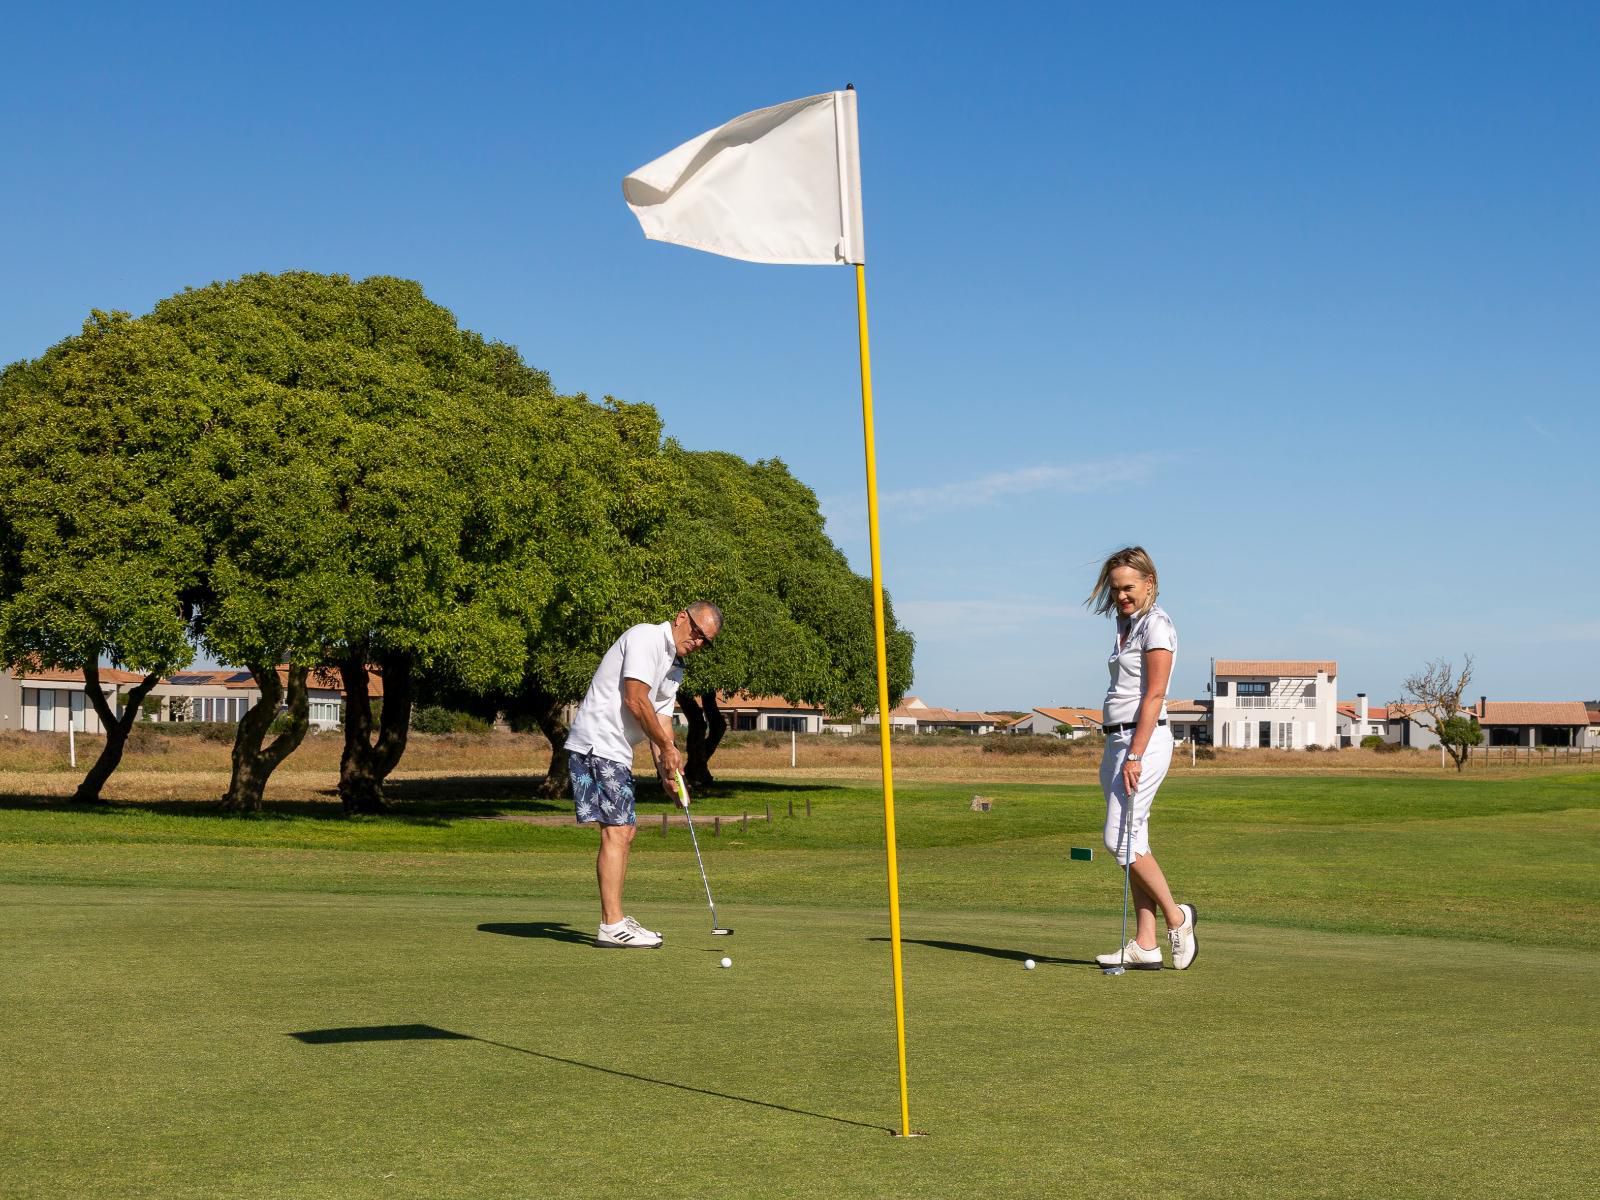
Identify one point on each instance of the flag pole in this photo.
(883, 697)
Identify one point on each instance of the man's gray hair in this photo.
(704, 612)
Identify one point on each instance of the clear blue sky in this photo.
(1303, 298)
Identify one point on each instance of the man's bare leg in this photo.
(611, 869)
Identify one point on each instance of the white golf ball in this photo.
(727, 962)
(1028, 964)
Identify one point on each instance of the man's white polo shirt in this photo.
(604, 727)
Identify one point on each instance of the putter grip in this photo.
(683, 791)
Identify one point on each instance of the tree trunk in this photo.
(116, 730)
(706, 727)
(253, 763)
(546, 712)
(366, 763)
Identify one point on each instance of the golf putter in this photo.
(1127, 820)
(683, 799)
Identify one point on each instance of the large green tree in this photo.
(96, 561)
(367, 493)
(751, 538)
(603, 486)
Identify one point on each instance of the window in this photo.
(1311, 691)
(1248, 688)
(1285, 735)
(1222, 687)
(1264, 735)
(787, 724)
(325, 712)
(742, 722)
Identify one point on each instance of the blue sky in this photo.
(1302, 298)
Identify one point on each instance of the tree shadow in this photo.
(555, 931)
(411, 1033)
(991, 951)
(426, 802)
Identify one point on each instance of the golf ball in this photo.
(727, 962)
(1028, 964)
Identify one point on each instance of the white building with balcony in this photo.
(1275, 704)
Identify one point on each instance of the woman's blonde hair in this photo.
(1100, 601)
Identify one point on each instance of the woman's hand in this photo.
(1130, 777)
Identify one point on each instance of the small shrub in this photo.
(1383, 747)
(435, 719)
(1205, 754)
(1373, 742)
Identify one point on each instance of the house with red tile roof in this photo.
(50, 700)
(1533, 722)
(1082, 722)
(1362, 719)
(914, 716)
(743, 711)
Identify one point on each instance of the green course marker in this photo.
(1082, 854)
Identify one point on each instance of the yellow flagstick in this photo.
(883, 698)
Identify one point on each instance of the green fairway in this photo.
(1395, 996)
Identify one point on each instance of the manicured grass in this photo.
(1395, 997)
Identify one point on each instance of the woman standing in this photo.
(1138, 753)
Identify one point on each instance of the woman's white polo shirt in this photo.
(1151, 631)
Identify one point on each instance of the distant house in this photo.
(48, 700)
(1533, 722)
(746, 712)
(1082, 722)
(1361, 720)
(1591, 737)
(1285, 704)
(913, 716)
(1190, 720)
(224, 696)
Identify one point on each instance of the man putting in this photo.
(630, 699)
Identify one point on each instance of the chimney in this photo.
(1361, 709)
(1483, 708)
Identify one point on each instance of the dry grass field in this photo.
(192, 766)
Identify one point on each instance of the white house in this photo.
(1533, 722)
(52, 701)
(743, 711)
(1190, 720)
(224, 696)
(1081, 721)
(1275, 703)
(1361, 719)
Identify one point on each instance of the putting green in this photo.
(200, 1043)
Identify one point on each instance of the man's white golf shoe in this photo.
(627, 934)
(1133, 956)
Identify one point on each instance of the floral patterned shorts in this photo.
(602, 789)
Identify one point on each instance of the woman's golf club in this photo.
(683, 799)
(1127, 822)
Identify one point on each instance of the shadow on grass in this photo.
(415, 1033)
(555, 931)
(991, 951)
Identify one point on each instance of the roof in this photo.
(108, 675)
(1188, 707)
(1534, 712)
(916, 710)
(1375, 712)
(1070, 716)
(763, 703)
(1289, 668)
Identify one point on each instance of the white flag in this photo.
(779, 185)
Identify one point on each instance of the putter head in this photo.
(719, 931)
(1118, 970)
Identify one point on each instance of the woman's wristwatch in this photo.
(1134, 758)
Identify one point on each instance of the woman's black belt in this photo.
(1127, 725)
